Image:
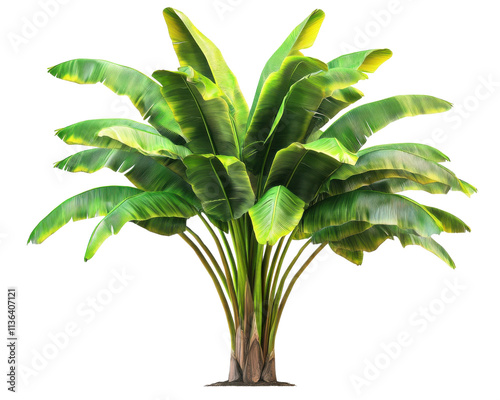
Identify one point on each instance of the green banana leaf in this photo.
(381, 159)
(303, 168)
(302, 37)
(143, 172)
(195, 50)
(163, 226)
(373, 207)
(417, 149)
(398, 185)
(274, 91)
(90, 204)
(201, 111)
(355, 126)
(293, 121)
(276, 214)
(144, 142)
(365, 61)
(141, 207)
(142, 91)
(356, 257)
(221, 183)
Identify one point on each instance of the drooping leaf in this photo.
(201, 111)
(397, 185)
(143, 172)
(90, 204)
(163, 226)
(355, 126)
(428, 244)
(142, 91)
(141, 207)
(276, 214)
(303, 168)
(86, 133)
(450, 223)
(394, 160)
(422, 150)
(356, 257)
(196, 50)
(365, 61)
(302, 37)
(335, 233)
(144, 142)
(374, 208)
(222, 184)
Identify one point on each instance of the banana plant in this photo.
(292, 167)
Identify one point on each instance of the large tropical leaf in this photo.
(196, 50)
(141, 207)
(142, 91)
(144, 172)
(86, 133)
(398, 185)
(274, 91)
(355, 126)
(200, 109)
(222, 184)
(388, 161)
(418, 149)
(90, 204)
(365, 61)
(303, 168)
(371, 239)
(295, 117)
(146, 143)
(163, 226)
(374, 208)
(276, 214)
(302, 37)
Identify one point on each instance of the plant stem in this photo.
(212, 258)
(222, 297)
(288, 291)
(229, 278)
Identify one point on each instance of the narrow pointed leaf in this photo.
(196, 50)
(356, 257)
(144, 142)
(374, 208)
(422, 150)
(90, 204)
(141, 207)
(142, 91)
(276, 214)
(302, 37)
(365, 61)
(355, 126)
(143, 172)
(394, 160)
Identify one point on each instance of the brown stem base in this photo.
(259, 383)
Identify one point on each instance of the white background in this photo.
(164, 335)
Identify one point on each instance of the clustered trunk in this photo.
(249, 363)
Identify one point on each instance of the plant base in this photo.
(259, 383)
